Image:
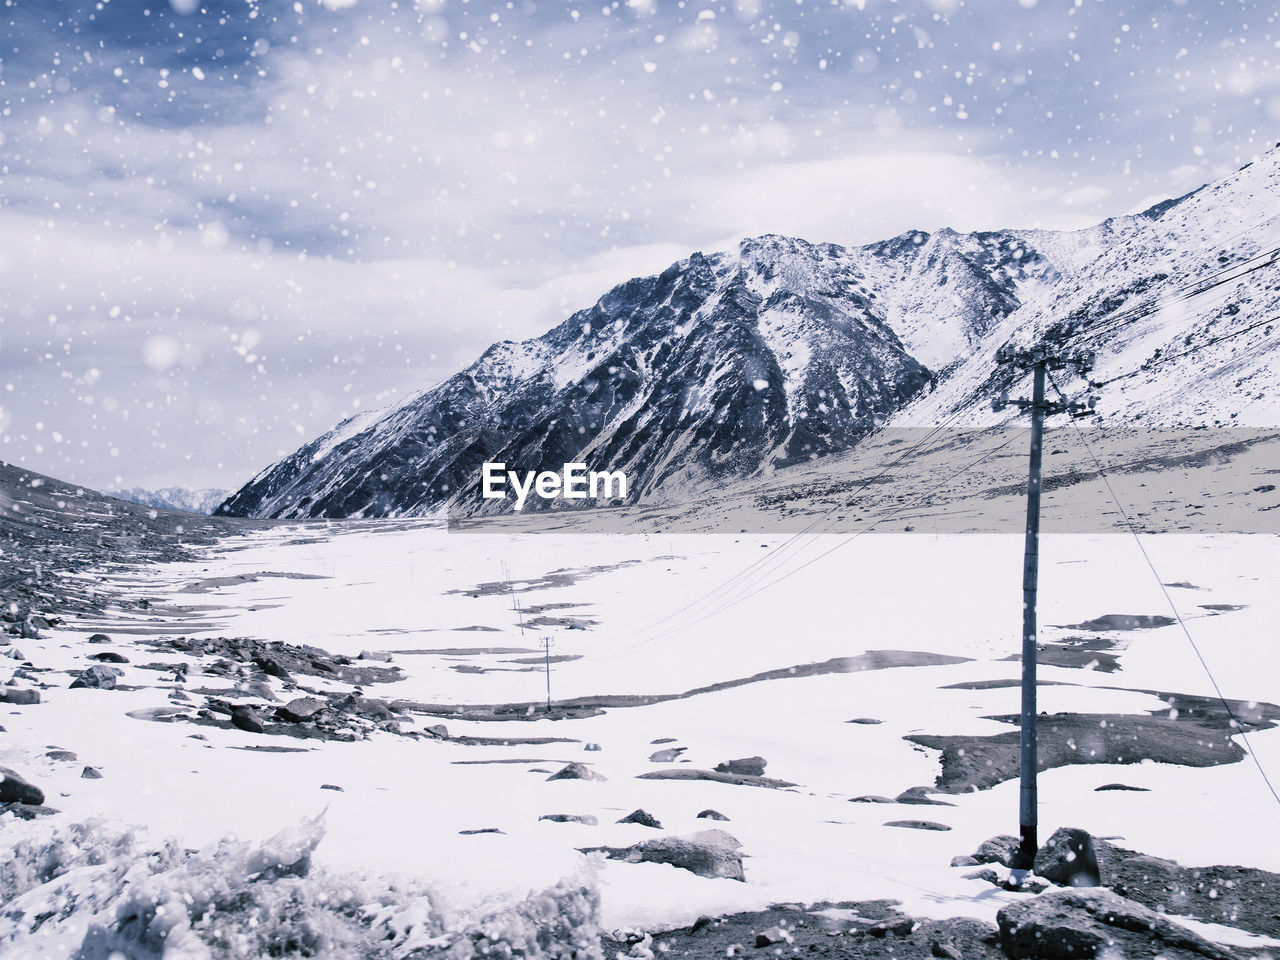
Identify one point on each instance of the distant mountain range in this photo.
(729, 364)
(204, 500)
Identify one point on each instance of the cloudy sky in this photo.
(225, 226)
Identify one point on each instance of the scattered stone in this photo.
(670, 755)
(589, 819)
(331, 786)
(691, 773)
(767, 938)
(379, 655)
(25, 630)
(642, 817)
(109, 656)
(27, 811)
(709, 853)
(576, 771)
(473, 832)
(745, 767)
(917, 824)
(300, 709)
(97, 678)
(944, 948)
(14, 789)
(661, 740)
(920, 795)
(437, 730)
(870, 798)
(247, 719)
(271, 665)
(1068, 858)
(987, 874)
(1124, 621)
(896, 927)
(99, 638)
(19, 696)
(864, 720)
(712, 815)
(63, 755)
(964, 861)
(1086, 923)
(90, 773)
(592, 747)
(1121, 786)
(999, 850)
(256, 688)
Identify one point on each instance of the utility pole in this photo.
(546, 649)
(1039, 361)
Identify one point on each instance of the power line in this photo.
(779, 554)
(1236, 723)
(741, 595)
(1186, 353)
(1198, 288)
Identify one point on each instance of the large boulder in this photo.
(744, 767)
(1074, 923)
(642, 817)
(708, 853)
(1069, 859)
(576, 771)
(667, 755)
(300, 709)
(247, 719)
(14, 789)
(999, 850)
(97, 677)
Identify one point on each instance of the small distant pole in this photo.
(511, 587)
(546, 649)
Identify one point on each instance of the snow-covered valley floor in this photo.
(437, 603)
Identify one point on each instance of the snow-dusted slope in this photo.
(200, 500)
(1165, 301)
(730, 364)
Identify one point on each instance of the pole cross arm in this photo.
(1082, 360)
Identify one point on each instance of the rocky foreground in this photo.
(1085, 898)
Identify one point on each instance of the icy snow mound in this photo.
(98, 890)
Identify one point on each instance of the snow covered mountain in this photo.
(722, 365)
(730, 364)
(202, 500)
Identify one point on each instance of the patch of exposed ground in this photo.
(871, 929)
(213, 583)
(565, 577)
(594, 705)
(1191, 732)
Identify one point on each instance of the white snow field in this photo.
(411, 587)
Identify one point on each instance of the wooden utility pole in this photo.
(1039, 361)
